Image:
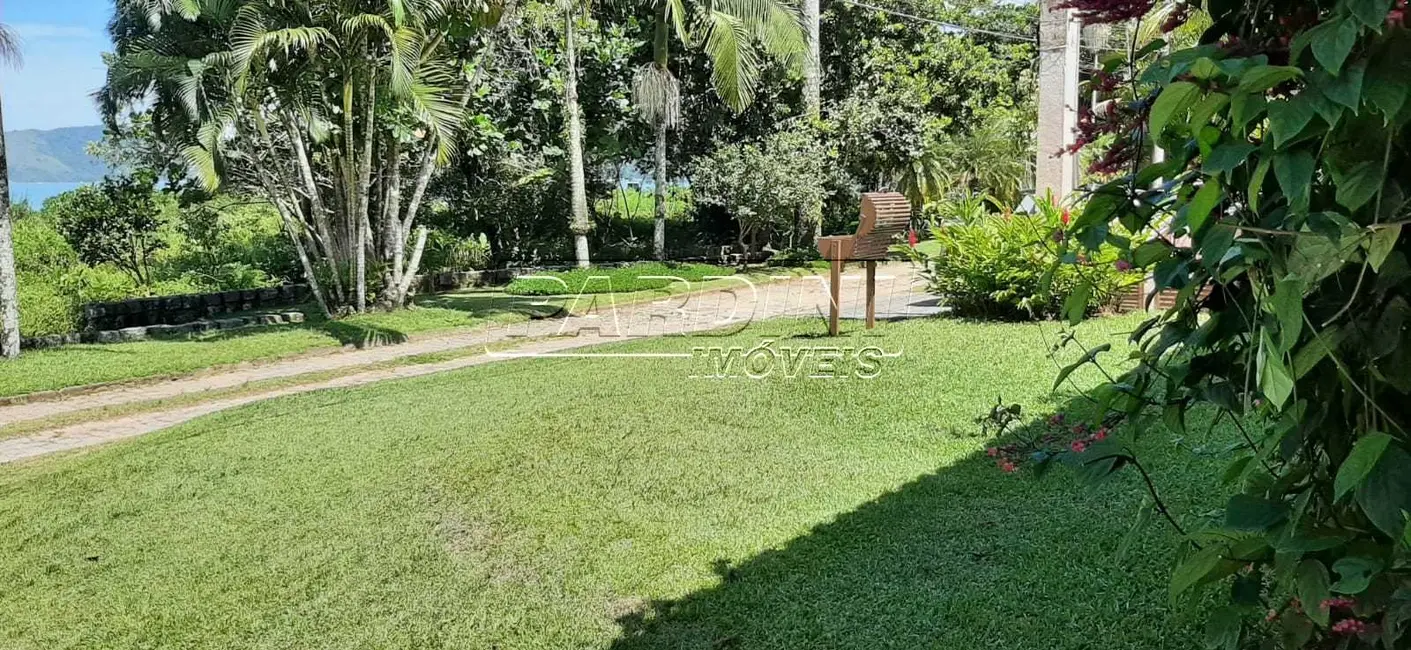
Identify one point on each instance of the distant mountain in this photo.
(55, 156)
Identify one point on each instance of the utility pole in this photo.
(1060, 42)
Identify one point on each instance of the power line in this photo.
(963, 28)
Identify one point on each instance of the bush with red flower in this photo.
(1277, 220)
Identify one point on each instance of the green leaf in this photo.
(1222, 629)
(1333, 41)
(1075, 307)
(1203, 203)
(1345, 89)
(1386, 90)
(1355, 574)
(1371, 13)
(1206, 108)
(1256, 182)
(1386, 493)
(1260, 78)
(1315, 258)
(1226, 157)
(1089, 357)
(1204, 566)
(1244, 107)
(1151, 252)
(1235, 470)
(1274, 379)
(1204, 68)
(1313, 584)
(1359, 185)
(1175, 98)
(1287, 118)
(1252, 514)
(1287, 302)
(1380, 245)
(1316, 350)
(1294, 169)
(1359, 463)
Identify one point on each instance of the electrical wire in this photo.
(962, 28)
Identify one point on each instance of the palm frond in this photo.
(735, 69)
(10, 47)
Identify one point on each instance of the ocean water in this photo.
(38, 193)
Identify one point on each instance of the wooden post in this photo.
(835, 282)
(871, 294)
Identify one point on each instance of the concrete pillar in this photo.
(1060, 38)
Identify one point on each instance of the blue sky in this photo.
(63, 42)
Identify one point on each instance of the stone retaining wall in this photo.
(176, 310)
(160, 331)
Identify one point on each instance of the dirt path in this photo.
(898, 296)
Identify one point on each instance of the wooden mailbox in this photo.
(884, 216)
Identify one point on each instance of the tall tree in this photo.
(573, 116)
(332, 110)
(9, 283)
(732, 33)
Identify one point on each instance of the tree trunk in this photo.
(580, 225)
(659, 177)
(364, 190)
(813, 65)
(9, 283)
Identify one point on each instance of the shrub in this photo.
(115, 222)
(1002, 266)
(446, 252)
(1283, 205)
(615, 280)
(227, 244)
(795, 257)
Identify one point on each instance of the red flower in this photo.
(911, 238)
(1101, 434)
(1066, 217)
(1396, 18)
(1079, 446)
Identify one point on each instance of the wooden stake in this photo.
(871, 294)
(835, 282)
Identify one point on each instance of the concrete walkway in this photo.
(898, 296)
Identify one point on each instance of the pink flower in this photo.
(911, 238)
(1066, 217)
(1101, 434)
(1338, 603)
(1123, 265)
(1007, 466)
(1349, 627)
(993, 452)
(1079, 446)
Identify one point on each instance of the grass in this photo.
(604, 503)
(84, 365)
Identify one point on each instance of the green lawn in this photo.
(82, 365)
(604, 503)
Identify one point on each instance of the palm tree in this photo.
(298, 102)
(731, 32)
(9, 283)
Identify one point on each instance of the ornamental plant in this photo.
(1278, 214)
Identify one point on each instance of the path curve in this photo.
(898, 296)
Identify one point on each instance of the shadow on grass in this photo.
(964, 557)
